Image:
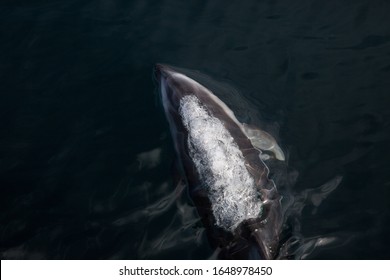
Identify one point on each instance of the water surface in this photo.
(86, 160)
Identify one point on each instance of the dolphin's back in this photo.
(229, 183)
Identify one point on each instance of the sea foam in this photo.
(220, 165)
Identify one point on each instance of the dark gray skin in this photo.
(254, 238)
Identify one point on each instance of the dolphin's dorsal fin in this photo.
(262, 140)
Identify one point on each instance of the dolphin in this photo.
(223, 164)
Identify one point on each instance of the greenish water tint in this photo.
(86, 160)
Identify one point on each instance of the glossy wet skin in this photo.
(255, 237)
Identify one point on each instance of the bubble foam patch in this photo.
(220, 165)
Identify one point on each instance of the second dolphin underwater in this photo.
(223, 162)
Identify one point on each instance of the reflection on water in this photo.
(86, 161)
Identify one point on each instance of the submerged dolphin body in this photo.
(221, 159)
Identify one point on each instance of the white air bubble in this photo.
(220, 165)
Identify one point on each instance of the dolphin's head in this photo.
(173, 86)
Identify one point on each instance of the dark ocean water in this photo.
(86, 160)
